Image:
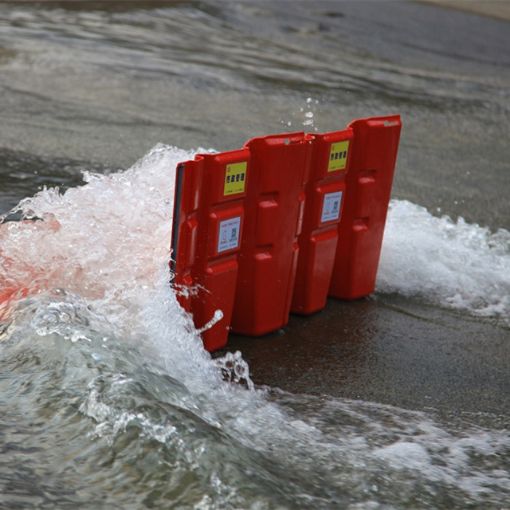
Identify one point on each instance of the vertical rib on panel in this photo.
(210, 262)
(318, 240)
(369, 181)
(269, 250)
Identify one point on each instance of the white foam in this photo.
(107, 240)
(404, 454)
(452, 263)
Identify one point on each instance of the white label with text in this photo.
(229, 234)
(331, 206)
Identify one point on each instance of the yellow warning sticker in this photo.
(338, 156)
(235, 178)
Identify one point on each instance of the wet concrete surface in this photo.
(388, 349)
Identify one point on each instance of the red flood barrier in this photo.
(269, 250)
(318, 240)
(207, 229)
(368, 181)
(278, 225)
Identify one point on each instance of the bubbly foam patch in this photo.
(107, 240)
(452, 263)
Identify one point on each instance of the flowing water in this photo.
(107, 399)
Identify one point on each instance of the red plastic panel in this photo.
(188, 192)
(369, 180)
(208, 223)
(310, 220)
(318, 240)
(269, 250)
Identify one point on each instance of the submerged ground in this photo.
(400, 400)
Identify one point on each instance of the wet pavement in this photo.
(388, 349)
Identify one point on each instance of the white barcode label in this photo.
(229, 234)
(331, 206)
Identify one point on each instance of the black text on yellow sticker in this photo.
(338, 156)
(235, 178)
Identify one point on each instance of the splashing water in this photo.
(112, 402)
(309, 113)
(306, 116)
(454, 264)
(107, 240)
